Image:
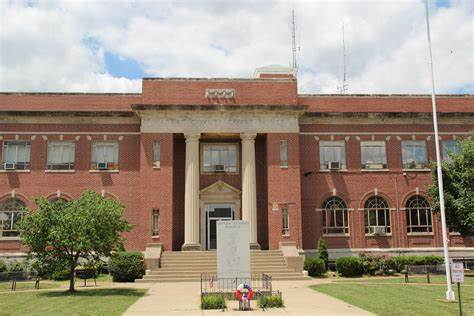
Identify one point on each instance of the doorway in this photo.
(215, 213)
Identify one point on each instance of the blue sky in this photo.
(109, 45)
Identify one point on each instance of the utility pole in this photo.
(449, 292)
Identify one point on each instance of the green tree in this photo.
(458, 180)
(59, 234)
(323, 251)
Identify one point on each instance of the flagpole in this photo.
(449, 292)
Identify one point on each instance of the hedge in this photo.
(126, 266)
(213, 301)
(315, 266)
(349, 266)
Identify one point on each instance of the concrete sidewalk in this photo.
(184, 299)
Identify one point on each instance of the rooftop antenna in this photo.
(342, 89)
(294, 63)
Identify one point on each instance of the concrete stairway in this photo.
(184, 266)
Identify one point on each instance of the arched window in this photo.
(418, 211)
(335, 216)
(377, 216)
(11, 212)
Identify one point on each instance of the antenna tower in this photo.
(294, 63)
(342, 89)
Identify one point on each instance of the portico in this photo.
(236, 122)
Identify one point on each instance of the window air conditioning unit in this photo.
(334, 165)
(102, 166)
(379, 230)
(219, 168)
(373, 166)
(9, 166)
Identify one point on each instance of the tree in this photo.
(59, 234)
(323, 251)
(458, 180)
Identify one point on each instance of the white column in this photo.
(191, 193)
(249, 186)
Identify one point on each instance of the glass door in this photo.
(215, 213)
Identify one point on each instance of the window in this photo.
(335, 216)
(16, 154)
(156, 222)
(285, 221)
(219, 158)
(418, 215)
(61, 155)
(11, 212)
(283, 153)
(156, 154)
(377, 216)
(414, 155)
(373, 155)
(105, 155)
(332, 152)
(450, 147)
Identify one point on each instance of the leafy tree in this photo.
(458, 180)
(61, 233)
(323, 251)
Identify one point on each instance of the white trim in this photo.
(375, 170)
(60, 171)
(421, 233)
(16, 171)
(336, 170)
(383, 133)
(416, 170)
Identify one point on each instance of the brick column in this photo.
(191, 195)
(249, 187)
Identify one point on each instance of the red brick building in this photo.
(188, 152)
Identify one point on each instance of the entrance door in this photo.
(215, 213)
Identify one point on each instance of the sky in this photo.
(109, 45)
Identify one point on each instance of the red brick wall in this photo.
(283, 188)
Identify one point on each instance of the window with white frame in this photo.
(377, 216)
(414, 154)
(11, 213)
(285, 221)
(283, 153)
(156, 222)
(219, 158)
(105, 155)
(16, 155)
(61, 155)
(335, 216)
(156, 154)
(418, 212)
(450, 147)
(373, 155)
(332, 155)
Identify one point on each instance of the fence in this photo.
(210, 284)
(15, 277)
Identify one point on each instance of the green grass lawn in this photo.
(84, 302)
(30, 285)
(391, 296)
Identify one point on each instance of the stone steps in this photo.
(182, 266)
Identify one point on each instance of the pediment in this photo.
(220, 188)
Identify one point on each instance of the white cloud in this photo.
(43, 47)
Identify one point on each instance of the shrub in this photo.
(17, 266)
(315, 266)
(323, 251)
(213, 301)
(60, 275)
(349, 266)
(433, 260)
(269, 301)
(126, 266)
(3, 266)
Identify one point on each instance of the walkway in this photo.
(183, 299)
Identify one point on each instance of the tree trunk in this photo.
(71, 279)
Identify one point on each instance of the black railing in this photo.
(15, 277)
(210, 284)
